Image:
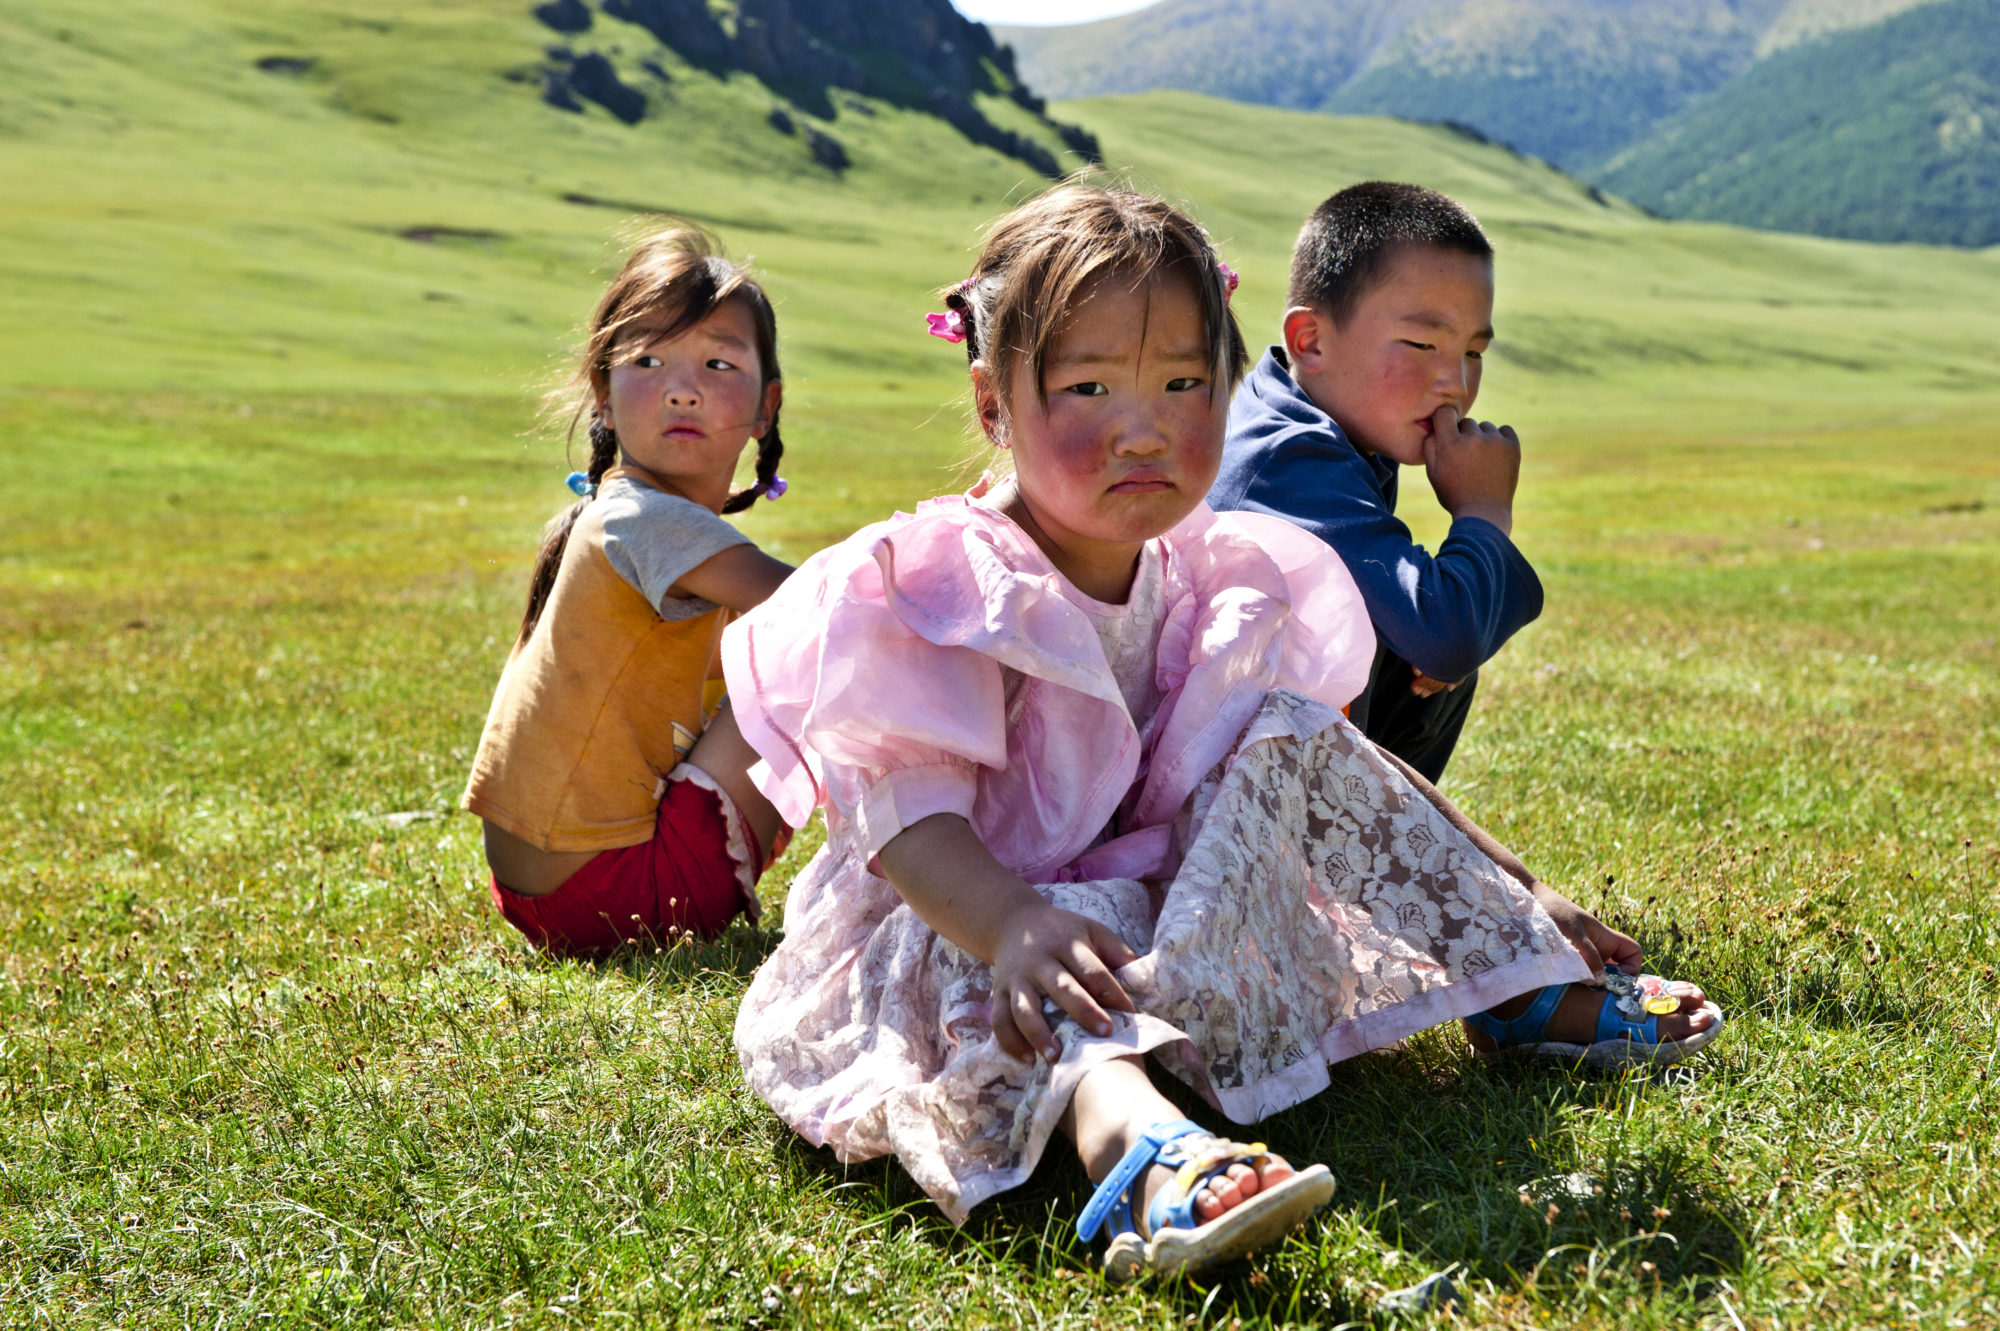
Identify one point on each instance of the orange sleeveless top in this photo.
(593, 710)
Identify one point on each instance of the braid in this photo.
(555, 537)
(603, 449)
(769, 450)
(956, 299)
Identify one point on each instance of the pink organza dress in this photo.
(1176, 768)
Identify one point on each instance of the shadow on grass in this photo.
(1448, 1162)
(1819, 990)
(1834, 984)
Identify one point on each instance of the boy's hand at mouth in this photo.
(1474, 467)
(1424, 686)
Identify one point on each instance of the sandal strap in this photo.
(1526, 1028)
(1614, 1025)
(1112, 1200)
(1194, 1169)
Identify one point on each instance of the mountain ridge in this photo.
(1816, 138)
(918, 54)
(1580, 83)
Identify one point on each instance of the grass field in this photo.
(266, 1056)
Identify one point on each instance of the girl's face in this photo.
(1130, 439)
(684, 407)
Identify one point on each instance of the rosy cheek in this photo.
(1069, 446)
(1408, 373)
(1202, 430)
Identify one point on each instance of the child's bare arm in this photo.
(739, 578)
(1601, 945)
(1474, 467)
(953, 883)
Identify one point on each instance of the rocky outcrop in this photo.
(921, 54)
(590, 76)
(826, 150)
(775, 44)
(685, 25)
(565, 16)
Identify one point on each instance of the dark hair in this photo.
(1350, 240)
(674, 279)
(1038, 259)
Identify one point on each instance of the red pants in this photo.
(684, 881)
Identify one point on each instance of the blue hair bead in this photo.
(580, 484)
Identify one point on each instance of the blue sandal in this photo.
(1180, 1244)
(1628, 1034)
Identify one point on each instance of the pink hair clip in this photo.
(949, 325)
(1229, 278)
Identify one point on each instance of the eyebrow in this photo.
(1429, 319)
(1188, 353)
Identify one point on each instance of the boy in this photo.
(1391, 307)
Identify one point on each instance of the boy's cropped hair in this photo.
(1350, 239)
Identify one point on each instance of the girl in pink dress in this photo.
(1090, 796)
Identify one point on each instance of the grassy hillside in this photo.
(1892, 133)
(1570, 81)
(269, 347)
(1874, 136)
(406, 211)
(1268, 52)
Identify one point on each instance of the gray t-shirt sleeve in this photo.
(654, 540)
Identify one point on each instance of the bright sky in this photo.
(1045, 11)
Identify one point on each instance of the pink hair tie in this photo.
(949, 325)
(1229, 278)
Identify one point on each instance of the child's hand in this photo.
(1038, 952)
(1424, 686)
(1473, 467)
(1603, 947)
(1056, 954)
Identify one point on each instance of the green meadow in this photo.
(271, 351)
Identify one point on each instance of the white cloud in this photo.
(1046, 11)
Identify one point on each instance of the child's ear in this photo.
(986, 404)
(774, 397)
(1305, 344)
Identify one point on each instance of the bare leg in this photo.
(526, 869)
(1117, 1101)
(726, 756)
(1575, 1019)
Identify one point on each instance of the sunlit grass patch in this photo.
(268, 1056)
(264, 1045)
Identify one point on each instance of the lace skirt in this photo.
(1322, 908)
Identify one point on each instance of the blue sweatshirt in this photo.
(1446, 614)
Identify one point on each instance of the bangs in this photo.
(669, 302)
(1043, 259)
(1135, 267)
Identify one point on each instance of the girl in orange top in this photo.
(616, 809)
